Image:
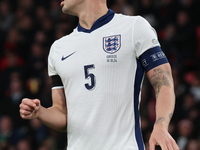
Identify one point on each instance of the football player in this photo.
(97, 73)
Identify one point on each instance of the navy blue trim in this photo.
(152, 58)
(99, 23)
(137, 88)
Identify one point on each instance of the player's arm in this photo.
(156, 65)
(54, 117)
(160, 78)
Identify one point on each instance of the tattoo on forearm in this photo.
(170, 116)
(161, 119)
(160, 78)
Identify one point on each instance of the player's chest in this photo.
(86, 51)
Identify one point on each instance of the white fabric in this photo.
(101, 118)
(58, 87)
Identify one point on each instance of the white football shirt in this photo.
(102, 80)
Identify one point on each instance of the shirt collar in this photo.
(99, 23)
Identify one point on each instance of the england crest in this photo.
(111, 44)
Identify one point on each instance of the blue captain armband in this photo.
(152, 58)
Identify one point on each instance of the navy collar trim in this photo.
(99, 23)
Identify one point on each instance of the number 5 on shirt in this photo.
(89, 76)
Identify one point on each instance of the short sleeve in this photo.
(145, 36)
(51, 68)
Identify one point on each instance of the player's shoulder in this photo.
(127, 18)
(138, 23)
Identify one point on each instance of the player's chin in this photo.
(68, 11)
(64, 10)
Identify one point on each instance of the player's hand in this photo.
(160, 136)
(29, 109)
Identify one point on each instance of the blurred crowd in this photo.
(29, 27)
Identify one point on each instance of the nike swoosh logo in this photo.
(63, 58)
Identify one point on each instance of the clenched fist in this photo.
(29, 109)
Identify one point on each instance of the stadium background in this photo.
(29, 27)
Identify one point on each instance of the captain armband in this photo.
(56, 82)
(153, 58)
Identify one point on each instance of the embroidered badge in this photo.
(154, 41)
(112, 44)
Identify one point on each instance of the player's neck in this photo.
(91, 13)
